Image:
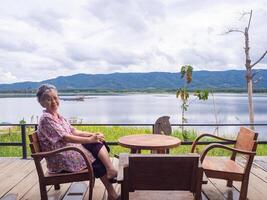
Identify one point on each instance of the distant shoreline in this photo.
(114, 93)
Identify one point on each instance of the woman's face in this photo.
(50, 101)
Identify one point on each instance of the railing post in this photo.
(23, 140)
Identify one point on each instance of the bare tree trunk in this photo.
(249, 66)
(249, 77)
(250, 101)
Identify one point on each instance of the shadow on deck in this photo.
(18, 180)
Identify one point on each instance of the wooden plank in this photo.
(14, 174)
(228, 192)
(255, 169)
(58, 194)
(98, 191)
(159, 195)
(261, 161)
(10, 197)
(256, 184)
(25, 185)
(76, 191)
(13, 165)
(30, 181)
(6, 161)
(203, 196)
(211, 192)
(256, 188)
(257, 181)
(33, 193)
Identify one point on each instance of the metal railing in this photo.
(23, 127)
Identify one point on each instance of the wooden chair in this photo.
(214, 167)
(159, 172)
(162, 126)
(56, 179)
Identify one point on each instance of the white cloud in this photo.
(45, 39)
(6, 77)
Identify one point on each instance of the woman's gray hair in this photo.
(43, 89)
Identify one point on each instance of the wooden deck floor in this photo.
(18, 180)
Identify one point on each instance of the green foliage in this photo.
(112, 134)
(186, 73)
(202, 94)
(183, 94)
(23, 121)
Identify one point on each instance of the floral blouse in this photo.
(50, 134)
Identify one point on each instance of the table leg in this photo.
(135, 150)
(163, 151)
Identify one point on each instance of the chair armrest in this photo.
(123, 162)
(41, 155)
(208, 135)
(217, 145)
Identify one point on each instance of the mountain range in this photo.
(217, 80)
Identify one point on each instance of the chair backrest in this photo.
(246, 139)
(35, 148)
(34, 143)
(162, 172)
(162, 126)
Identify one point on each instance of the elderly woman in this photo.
(55, 132)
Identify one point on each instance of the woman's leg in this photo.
(104, 157)
(100, 152)
(112, 195)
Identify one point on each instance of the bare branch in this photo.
(259, 59)
(250, 16)
(234, 30)
(243, 14)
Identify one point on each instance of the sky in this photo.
(41, 40)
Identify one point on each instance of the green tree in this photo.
(183, 94)
(23, 121)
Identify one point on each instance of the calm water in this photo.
(144, 108)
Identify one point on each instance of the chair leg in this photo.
(43, 192)
(244, 190)
(229, 183)
(91, 186)
(57, 187)
(198, 188)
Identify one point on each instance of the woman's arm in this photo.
(87, 134)
(81, 133)
(81, 140)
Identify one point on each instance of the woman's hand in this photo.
(100, 136)
(94, 139)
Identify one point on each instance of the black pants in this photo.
(98, 166)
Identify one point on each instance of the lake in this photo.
(144, 108)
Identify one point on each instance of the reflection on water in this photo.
(144, 108)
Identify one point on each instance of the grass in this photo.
(112, 134)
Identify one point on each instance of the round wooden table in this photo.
(159, 143)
